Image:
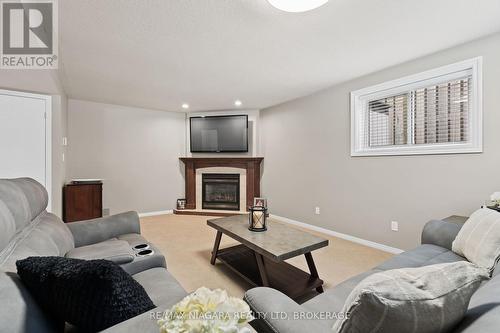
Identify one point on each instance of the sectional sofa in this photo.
(483, 314)
(27, 229)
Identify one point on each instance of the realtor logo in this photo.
(29, 34)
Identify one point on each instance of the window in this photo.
(435, 112)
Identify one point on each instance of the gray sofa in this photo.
(483, 314)
(27, 229)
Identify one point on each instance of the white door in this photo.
(25, 136)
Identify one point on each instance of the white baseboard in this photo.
(353, 239)
(160, 212)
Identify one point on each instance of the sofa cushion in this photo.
(276, 312)
(7, 225)
(479, 238)
(441, 233)
(164, 291)
(115, 250)
(161, 286)
(21, 200)
(143, 323)
(101, 229)
(483, 312)
(334, 299)
(425, 299)
(91, 295)
(133, 239)
(19, 311)
(35, 193)
(423, 255)
(47, 235)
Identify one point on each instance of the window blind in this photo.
(433, 114)
(388, 121)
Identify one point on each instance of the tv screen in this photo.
(219, 134)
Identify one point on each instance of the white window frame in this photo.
(360, 99)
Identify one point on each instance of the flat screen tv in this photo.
(219, 134)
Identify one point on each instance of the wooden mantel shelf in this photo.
(224, 160)
(250, 164)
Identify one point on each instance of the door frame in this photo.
(48, 135)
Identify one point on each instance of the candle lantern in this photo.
(257, 218)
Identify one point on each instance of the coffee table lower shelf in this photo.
(282, 276)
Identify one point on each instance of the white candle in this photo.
(257, 220)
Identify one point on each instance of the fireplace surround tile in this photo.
(221, 170)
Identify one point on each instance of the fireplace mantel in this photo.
(250, 164)
(222, 161)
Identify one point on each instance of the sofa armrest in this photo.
(277, 313)
(98, 230)
(441, 233)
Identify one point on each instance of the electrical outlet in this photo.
(317, 211)
(394, 226)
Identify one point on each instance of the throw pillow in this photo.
(420, 300)
(479, 238)
(91, 295)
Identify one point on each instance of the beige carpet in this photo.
(187, 242)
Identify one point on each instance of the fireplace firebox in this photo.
(221, 191)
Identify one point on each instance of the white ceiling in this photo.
(162, 53)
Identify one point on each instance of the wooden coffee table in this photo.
(260, 258)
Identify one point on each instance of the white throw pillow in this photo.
(479, 238)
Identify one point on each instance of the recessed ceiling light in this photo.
(297, 6)
(238, 102)
(185, 106)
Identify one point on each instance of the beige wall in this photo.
(136, 152)
(306, 144)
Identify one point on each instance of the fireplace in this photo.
(249, 171)
(221, 191)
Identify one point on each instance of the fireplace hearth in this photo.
(221, 191)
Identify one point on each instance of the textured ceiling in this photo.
(161, 53)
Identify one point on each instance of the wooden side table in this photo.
(82, 201)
